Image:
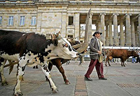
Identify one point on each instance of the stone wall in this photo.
(53, 16)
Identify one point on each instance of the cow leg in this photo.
(122, 62)
(3, 80)
(47, 74)
(35, 67)
(50, 68)
(123, 65)
(109, 63)
(61, 70)
(20, 72)
(106, 61)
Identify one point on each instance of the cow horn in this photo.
(58, 34)
(83, 46)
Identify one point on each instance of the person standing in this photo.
(95, 56)
(139, 57)
(133, 59)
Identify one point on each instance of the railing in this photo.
(114, 47)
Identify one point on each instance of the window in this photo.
(33, 21)
(0, 20)
(22, 20)
(70, 20)
(11, 19)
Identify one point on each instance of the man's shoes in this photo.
(102, 78)
(88, 79)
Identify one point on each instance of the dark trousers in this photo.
(99, 68)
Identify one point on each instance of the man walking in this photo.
(95, 56)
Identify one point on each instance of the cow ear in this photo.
(57, 35)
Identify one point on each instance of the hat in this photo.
(96, 33)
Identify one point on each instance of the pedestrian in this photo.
(95, 56)
(133, 59)
(139, 57)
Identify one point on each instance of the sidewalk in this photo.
(122, 81)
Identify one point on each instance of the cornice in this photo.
(83, 3)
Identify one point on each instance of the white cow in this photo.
(30, 49)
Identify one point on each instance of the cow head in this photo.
(133, 53)
(62, 50)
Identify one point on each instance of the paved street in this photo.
(122, 81)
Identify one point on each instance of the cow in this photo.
(80, 48)
(30, 49)
(72, 42)
(57, 62)
(123, 54)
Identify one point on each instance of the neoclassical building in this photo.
(118, 20)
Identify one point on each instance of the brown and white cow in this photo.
(29, 49)
(79, 48)
(123, 54)
(59, 61)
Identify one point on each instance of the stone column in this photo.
(39, 21)
(64, 24)
(4, 20)
(18, 1)
(98, 25)
(107, 36)
(125, 0)
(128, 31)
(115, 23)
(90, 22)
(110, 33)
(103, 28)
(88, 30)
(77, 24)
(136, 35)
(30, 1)
(139, 30)
(132, 34)
(121, 33)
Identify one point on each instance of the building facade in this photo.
(118, 20)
